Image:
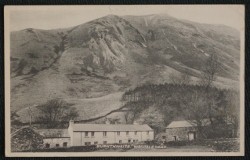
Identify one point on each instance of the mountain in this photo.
(112, 54)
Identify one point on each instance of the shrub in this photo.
(177, 143)
(152, 142)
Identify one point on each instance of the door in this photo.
(64, 144)
(191, 136)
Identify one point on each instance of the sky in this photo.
(52, 17)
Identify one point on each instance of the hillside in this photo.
(112, 54)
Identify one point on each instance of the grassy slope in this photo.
(178, 47)
(94, 107)
(189, 43)
(87, 108)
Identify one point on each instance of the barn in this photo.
(180, 131)
(187, 130)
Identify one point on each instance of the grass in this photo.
(207, 145)
(195, 148)
(86, 107)
(94, 107)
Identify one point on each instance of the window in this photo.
(129, 141)
(134, 140)
(92, 134)
(95, 142)
(57, 145)
(163, 137)
(65, 144)
(86, 134)
(120, 141)
(47, 145)
(87, 143)
(147, 132)
(104, 142)
(191, 136)
(127, 133)
(118, 133)
(135, 132)
(104, 134)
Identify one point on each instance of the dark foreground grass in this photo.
(207, 145)
(218, 145)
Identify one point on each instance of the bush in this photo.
(152, 142)
(219, 145)
(178, 143)
(223, 144)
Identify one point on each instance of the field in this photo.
(87, 107)
(95, 107)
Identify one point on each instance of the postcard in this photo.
(124, 80)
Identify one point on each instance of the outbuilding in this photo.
(182, 130)
(187, 130)
(54, 138)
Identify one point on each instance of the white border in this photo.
(8, 153)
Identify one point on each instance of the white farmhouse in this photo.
(90, 134)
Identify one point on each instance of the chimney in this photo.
(70, 130)
(71, 122)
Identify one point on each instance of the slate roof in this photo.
(184, 123)
(110, 127)
(53, 133)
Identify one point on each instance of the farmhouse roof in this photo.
(53, 133)
(185, 123)
(110, 127)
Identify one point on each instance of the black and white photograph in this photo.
(124, 80)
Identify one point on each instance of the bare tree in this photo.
(195, 109)
(55, 112)
(211, 68)
(209, 75)
(207, 105)
(233, 110)
(129, 116)
(210, 108)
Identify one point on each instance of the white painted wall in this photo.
(79, 138)
(53, 141)
(70, 131)
(76, 139)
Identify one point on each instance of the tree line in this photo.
(192, 102)
(200, 104)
